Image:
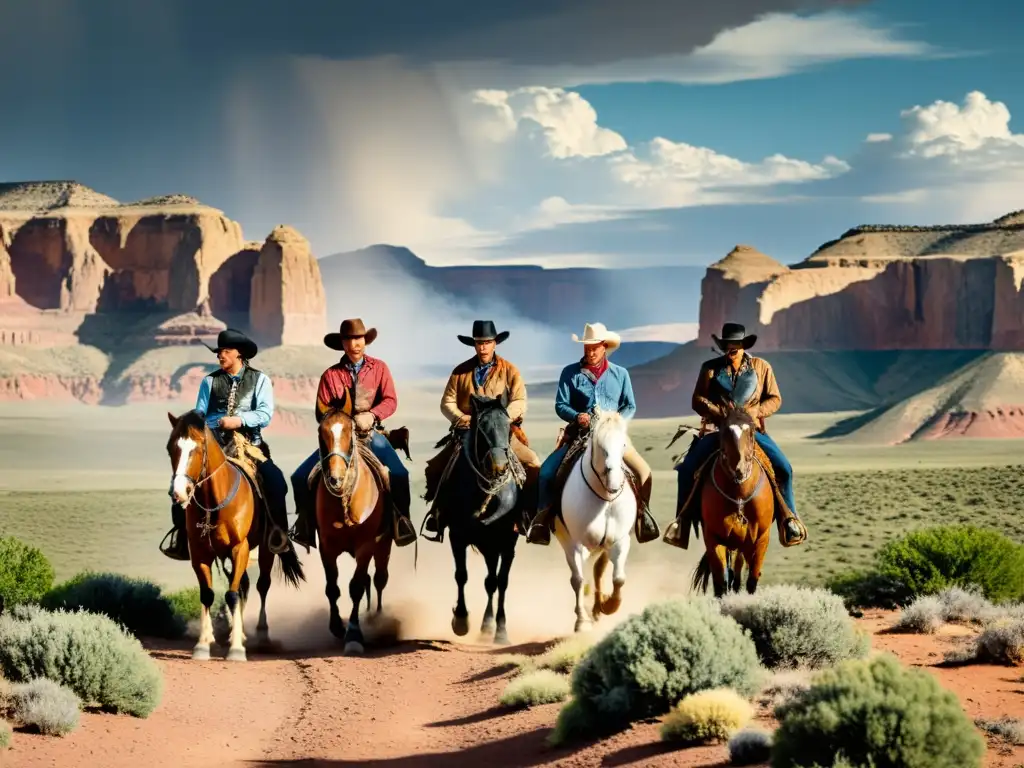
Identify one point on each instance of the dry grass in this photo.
(707, 717)
(541, 686)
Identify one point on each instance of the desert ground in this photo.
(88, 485)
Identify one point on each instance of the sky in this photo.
(558, 133)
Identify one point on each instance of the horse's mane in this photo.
(186, 423)
(608, 421)
(738, 416)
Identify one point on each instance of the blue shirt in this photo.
(255, 413)
(577, 393)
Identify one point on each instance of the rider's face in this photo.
(485, 350)
(593, 354)
(354, 348)
(229, 359)
(733, 350)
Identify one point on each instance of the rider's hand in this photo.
(463, 422)
(230, 422)
(583, 419)
(364, 421)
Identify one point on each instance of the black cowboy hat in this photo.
(484, 330)
(350, 329)
(734, 333)
(229, 338)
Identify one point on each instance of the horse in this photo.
(480, 495)
(350, 500)
(598, 510)
(737, 509)
(221, 524)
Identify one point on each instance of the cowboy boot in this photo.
(404, 531)
(303, 531)
(646, 527)
(539, 531)
(177, 548)
(792, 531)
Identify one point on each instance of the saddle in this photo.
(366, 453)
(690, 514)
(247, 457)
(448, 456)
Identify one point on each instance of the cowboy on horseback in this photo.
(236, 398)
(374, 377)
(592, 381)
(485, 374)
(742, 380)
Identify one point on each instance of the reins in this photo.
(203, 478)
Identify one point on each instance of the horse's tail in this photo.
(701, 574)
(290, 567)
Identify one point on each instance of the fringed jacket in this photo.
(753, 387)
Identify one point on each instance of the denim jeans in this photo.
(546, 480)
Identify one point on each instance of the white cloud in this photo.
(944, 128)
(877, 137)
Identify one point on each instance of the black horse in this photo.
(481, 501)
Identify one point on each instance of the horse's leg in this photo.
(619, 553)
(460, 614)
(599, 566)
(507, 556)
(381, 558)
(332, 590)
(239, 562)
(716, 560)
(491, 585)
(204, 573)
(576, 556)
(266, 561)
(738, 558)
(357, 587)
(760, 550)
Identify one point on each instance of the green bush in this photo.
(652, 660)
(89, 653)
(5, 735)
(49, 707)
(797, 626)
(869, 589)
(930, 560)
(136, 604)
(750, 746)
(876, 712)
(25, 573)
(542, 686)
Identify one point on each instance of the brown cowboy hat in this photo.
(350, 329)
(734, 333)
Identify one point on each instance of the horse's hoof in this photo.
(353, 648)
(487, 628)
(201, 653)
(338, 629)
(237, 654)
(460, 625)
(501, 637)
(610, 606)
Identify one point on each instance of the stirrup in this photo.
(545, 536)
(436, 537)
(674, 535)
(175, 552)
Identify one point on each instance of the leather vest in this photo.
(222, 401)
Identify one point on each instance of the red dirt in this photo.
(414, 703)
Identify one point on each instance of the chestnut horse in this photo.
(221, 524)
(737, 508)
(349, 518)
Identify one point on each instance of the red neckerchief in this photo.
(597, 370)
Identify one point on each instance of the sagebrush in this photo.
(750, 746)
(796, 626)
(707, 717)
(1001, 643)
(25, 573)
(652, 660)
(876, 712)
(139, 605)
(45, 706)
(89, 653)
(928, 613)
(541, 686)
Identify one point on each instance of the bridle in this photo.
(739, 502)
(588, 435)
(204, 478)
(486, 483)
(351, 476)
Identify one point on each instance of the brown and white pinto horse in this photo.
(221, 524)
(737, 508)
(349, 518)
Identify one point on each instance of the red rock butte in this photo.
(68, 253)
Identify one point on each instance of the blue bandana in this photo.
(745, 384)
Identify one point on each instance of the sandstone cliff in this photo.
(287, 301)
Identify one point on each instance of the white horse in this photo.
(598, 510)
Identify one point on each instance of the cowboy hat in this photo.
(484, 330)
(350, 329)
(734, 333)
(229, 338)
(596, 333)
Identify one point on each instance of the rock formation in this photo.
(287, 300)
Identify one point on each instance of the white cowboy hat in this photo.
(596, 333)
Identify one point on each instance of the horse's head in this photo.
(186, 448)
(489, 428)
(608, 443)
(336, 434)
(737, 443)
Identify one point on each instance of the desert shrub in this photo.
(797, 626)
(932, 559)
(89, 653)
(1001, 643)
(925, 615)
(1006, 729)
(869, 589)
(750, 746)
(707, 717)
(876, 712)
(542, 686)
(25, 573)
(5, 735)
(783, 685)
(566, 654)
(136, 604)
(929, 612)
(49, 707)
(654, 659)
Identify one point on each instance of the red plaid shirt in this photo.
(374, 376)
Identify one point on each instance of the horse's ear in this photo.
(347, 404)
(173, 419)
